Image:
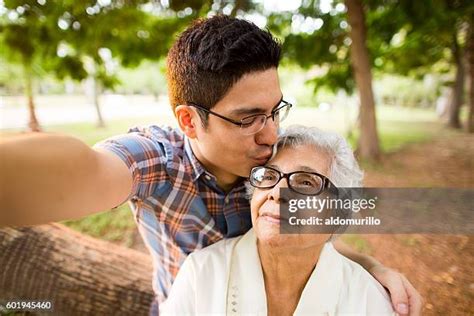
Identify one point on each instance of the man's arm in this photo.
(366, 261)
(405, 298)
(50, 177)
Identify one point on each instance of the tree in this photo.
(457, 22)
(91, 34)
(410, 38)
(27, 39)
(79, 274)
(470, 56)
(342, 55)
(457, 96)
(368, 141)
(35, 48)
(78, 39)
(433, 39)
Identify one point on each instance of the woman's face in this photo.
(265, 203)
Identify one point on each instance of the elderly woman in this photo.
(267, 273)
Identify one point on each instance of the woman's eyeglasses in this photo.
(307, 183)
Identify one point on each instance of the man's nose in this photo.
(269, 133)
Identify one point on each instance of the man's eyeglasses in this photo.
(254, 123)
(307, 183)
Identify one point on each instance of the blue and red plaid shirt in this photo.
(177, 204)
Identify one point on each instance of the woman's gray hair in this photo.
(344, 170)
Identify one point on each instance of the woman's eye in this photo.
(306, 183)
(268, 177)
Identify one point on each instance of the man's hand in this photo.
(405, 298)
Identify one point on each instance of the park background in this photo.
(395, 77)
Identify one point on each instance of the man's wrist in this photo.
(375, 267)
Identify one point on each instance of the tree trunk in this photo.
(470, 56)
(368, 147)
(457, 95)
(96, 93)
(79, 274)
(33, 124)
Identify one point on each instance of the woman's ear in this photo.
(187, 119)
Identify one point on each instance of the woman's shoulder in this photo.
(362, 288)
(355, 273)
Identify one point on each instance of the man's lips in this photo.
(263, 157)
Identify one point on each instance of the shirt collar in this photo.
(321, 292)
(246, 289)
(246, 284)
(196, 167)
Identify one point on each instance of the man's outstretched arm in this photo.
(405, 298)
(50, 177)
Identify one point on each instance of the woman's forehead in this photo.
(302, 158)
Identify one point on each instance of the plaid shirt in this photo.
(177, 204)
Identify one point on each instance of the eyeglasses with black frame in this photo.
(302, 182)
(253, 124)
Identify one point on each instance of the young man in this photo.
(186, 187)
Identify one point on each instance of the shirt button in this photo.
(226, 200)
(207, 177)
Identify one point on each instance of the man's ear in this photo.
(187, 120)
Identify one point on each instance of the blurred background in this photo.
(395, 77)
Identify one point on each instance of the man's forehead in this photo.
(254, 91)
(254, 107)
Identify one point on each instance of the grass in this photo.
(395, 134)
(90, 134)
(400, 126)
(115, 225)
(397, 127)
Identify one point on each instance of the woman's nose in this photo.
(274, 193)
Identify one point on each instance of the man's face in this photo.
(221, 147)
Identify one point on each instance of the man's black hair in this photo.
(212, 54)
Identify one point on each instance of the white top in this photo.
(227, 278)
